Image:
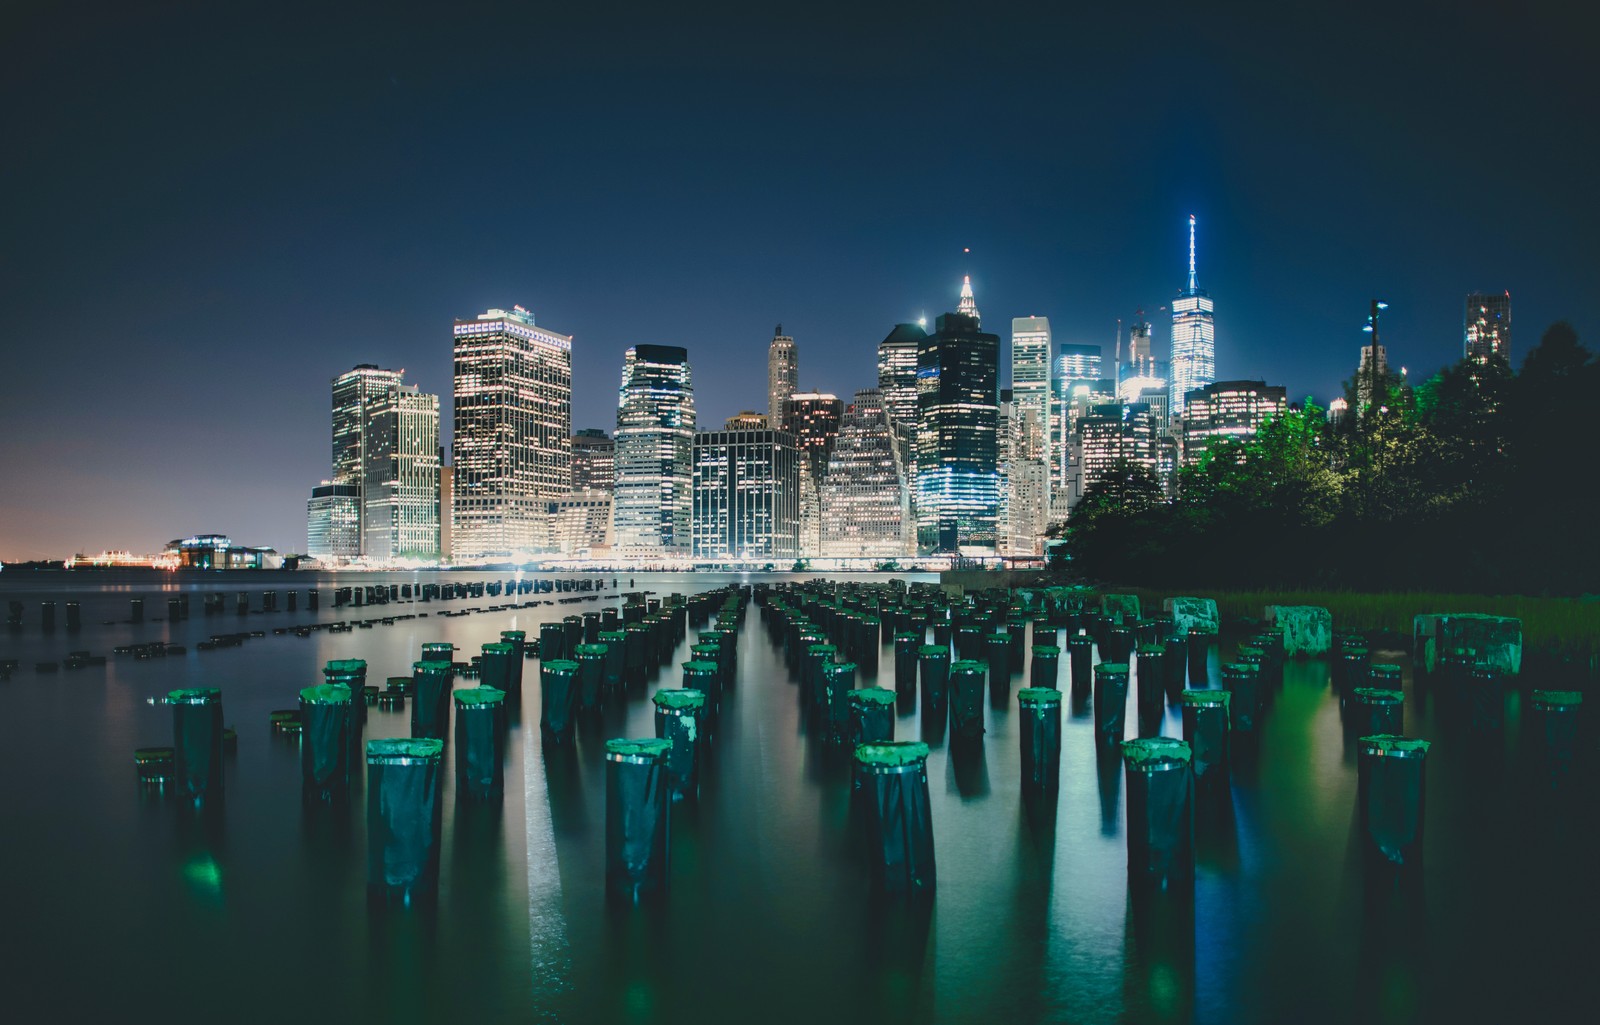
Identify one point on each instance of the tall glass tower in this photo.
(654, 453)
(1030, 365)
(512, 447)
(1194, 337)
(897, 380)
(400, 490)
(958, 482)
(352, 390)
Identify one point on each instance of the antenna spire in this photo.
(968, 305)
(1191, 253)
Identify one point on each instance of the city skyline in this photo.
(322, 219)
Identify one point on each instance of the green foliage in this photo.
(1472, 481)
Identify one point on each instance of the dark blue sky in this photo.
(208, 211)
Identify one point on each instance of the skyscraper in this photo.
(746, 495)
(1228, 409)
(1030, 365)
(1194, 337)
(512, 446)
(958, 490)
(351, 392)
(897, 380)
(655, 450)
(1024, 478)
(783, 374)
(400, 487)
(813, 419)
(1114, 432)
(968, 307)
(864, 501)
(333, 522)
(1487, 326)
(593, 461)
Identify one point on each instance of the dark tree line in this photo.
(1479, 480)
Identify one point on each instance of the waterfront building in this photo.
(333, 522)
(783, 374)
(217, 551)
(352, 390)
(512, 446)
(746, 490)
(399, 491)
(1487, 326)
(1194, 337)
(594, 466)
(957, 496)
(864, 504)
(652, 506)
(580, 521)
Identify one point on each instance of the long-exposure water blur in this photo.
(123, 903)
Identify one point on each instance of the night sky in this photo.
(208, 211)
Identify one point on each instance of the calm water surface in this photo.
(122, 906)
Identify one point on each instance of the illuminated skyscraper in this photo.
(1113, 432)
(1079, 381)
(968, 307)
(864, 501)
(1228, 409)
(512, 448)
(1487, 326)
(1030, 365)
(897, 380)
(333, 522)
(1024, 478)
(655, 451)
(957, 491)
(400, 489)
(351, 392)
(1194, 337)
(813, 419)
(594, 457)
(746, 495)
(783, 374)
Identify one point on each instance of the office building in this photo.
(1024, 478)
(1113, 433)
(593, 461)
(746, 495)
(1030, 365)
(351, 392)
(783, 374)
(864, 502)
(580, 521)
(746, 420)
(813, 419)
(897, 381)
(1487, 326)
(957, 495)
(512, 445)
(1194, 337)
(1228, 409)
(333, 522)
(652, 505)
(400, 488)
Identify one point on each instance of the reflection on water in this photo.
(770, 913)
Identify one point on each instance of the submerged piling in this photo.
(1391, 787)
(326, 726)
(480, 743)
(892, 782)
(557, 698)
(679, 718)
(197, 744)
(1040, 742)
(1160, 812)
(403, 818)
(637, 818)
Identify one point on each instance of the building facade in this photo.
(864, 504)
(957, 492)
(653, 495)
(580, 521)
(1115, 432)
(746, 495)
(512, 445)
(352, 390)
(897, 381)
(1486, 326)
(1228, 409)
(1194, 337)
(783, 374)
(594, 461)
(1024, 478)
(400, 488)
(1030, 365)
(333, 522)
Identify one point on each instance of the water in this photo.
(118, 902)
